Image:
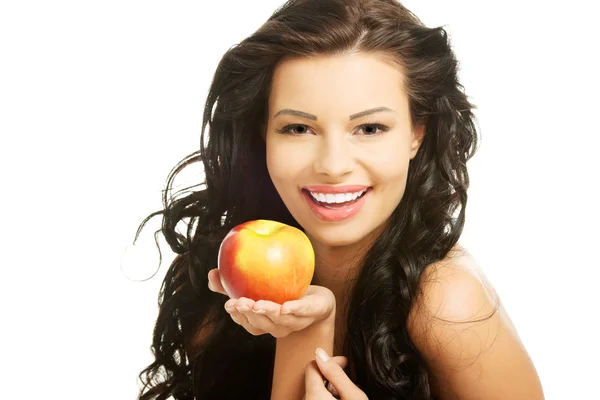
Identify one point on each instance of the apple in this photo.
(266, 260)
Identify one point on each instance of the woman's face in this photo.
(340, 169)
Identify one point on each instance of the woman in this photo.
(345, 119)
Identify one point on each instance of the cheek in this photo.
(274, 159)
(282, 167)
(390, 166)
(389, 174)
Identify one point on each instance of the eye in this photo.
(292, 129)
(371, 129)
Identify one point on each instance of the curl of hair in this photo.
(198, 350)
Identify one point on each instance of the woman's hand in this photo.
(324, 369)
(262, 316)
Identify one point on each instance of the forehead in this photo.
(349, 82)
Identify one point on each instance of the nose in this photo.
(333, 158)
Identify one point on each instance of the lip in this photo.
(338, 214)
(336, 189)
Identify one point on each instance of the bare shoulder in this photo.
(460, 327)
(456, 288)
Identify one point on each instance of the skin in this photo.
(334, 150)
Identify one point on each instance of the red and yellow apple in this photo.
(266, 260)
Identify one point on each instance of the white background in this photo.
(98, 100)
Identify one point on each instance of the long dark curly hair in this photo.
(200, 353)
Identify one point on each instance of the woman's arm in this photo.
(294, 352)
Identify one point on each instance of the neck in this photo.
(337, 268)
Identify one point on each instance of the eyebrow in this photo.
(287, 111)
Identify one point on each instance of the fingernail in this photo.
(210, 286)
(322, 355)
(243, 308)
(285, 311)
(259, 311)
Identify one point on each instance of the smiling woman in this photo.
(359, 135)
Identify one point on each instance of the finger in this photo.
(334, 373)
(341, 361)
(313, 379)
(237, 316)
(259, 320)
(273, 312)
(214, 281)
(313, 382)
(240, 319)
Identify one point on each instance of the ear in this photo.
(418, 134)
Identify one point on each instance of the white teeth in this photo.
(340, 198)
(331, 198)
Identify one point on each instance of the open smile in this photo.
(336, 203)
